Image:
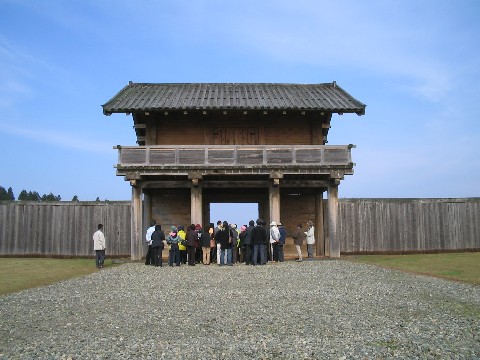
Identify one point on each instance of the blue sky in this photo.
(414, 63)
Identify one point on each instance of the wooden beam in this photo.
(235, 184)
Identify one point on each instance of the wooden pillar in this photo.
(196, 202)
(274, 200)
(333, 219)
(147, 215)
(136, 244)
(319, 232)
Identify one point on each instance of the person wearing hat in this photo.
(310, 233)
(274, 238)
(173, 239)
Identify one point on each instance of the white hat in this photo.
(273, 223)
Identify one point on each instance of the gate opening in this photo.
(233, 213)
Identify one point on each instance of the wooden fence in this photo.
(409, 225)
(64, 229)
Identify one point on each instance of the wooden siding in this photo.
(409, 225)
(63, 229)
(171, 207)
(234, 128)
(365, 225)
(217, 155)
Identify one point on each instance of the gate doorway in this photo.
(234, 213)
(235, 205)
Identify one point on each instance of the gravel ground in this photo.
(316, 309)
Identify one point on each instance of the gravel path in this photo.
(316, 310)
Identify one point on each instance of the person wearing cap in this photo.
(310, 233)
(298, 237)
(173, 239)
(281, 241)
(274, 238)
(181, 247)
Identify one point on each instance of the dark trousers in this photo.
(156, 256)
(275, 254)
(281, 256)
(248, 255)
(148, 258)
(259, 251)
(99, 257)
(183, 256)
(191, 255)
(174, 256)
(234, 254)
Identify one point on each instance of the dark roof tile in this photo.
(223, 96)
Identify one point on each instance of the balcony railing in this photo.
(201, 156)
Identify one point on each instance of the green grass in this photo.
(23, 273)
(463, 267)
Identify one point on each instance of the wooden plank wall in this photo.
(409, 225)
(233, 128)
(63, 229)
(171, 207)
(365, 225)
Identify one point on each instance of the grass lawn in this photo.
(463, 267)
(22, 273)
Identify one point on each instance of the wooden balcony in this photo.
(177, 159)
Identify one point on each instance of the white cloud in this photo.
(59, 139)
(378, 39)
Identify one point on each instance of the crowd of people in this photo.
(224, 244)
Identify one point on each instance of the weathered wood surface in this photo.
(63, 229)
(188, 155)
(365, 225)
(409, 225)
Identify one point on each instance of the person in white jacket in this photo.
(99, 246)
(310, 233)
(274, 238)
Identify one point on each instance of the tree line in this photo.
(31, 196)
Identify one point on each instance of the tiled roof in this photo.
(219, 96)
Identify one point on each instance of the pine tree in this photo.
(3, 193)
(11, 196)
(75, 198)
(23, 195)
